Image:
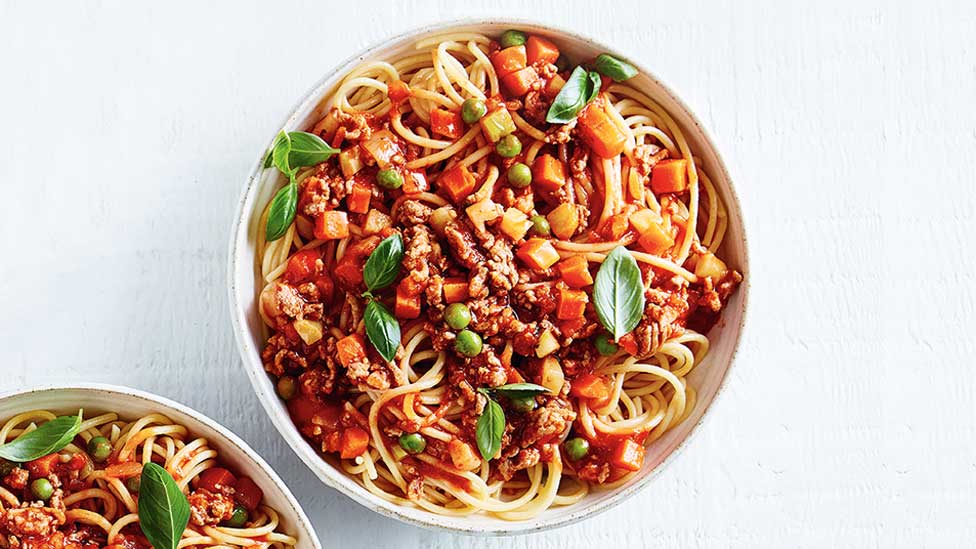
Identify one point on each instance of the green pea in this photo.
(99, 448)
(239, 518)
(523, 404)
(42, 489)
(512, 38)
(134, 483)
(604, 345)
(457, 316)
(540, 225)
(519, 176)
(413, 443)
(577, 448)
(389, 179)
(467, 343)
(287, 387)
(473, 109)
(508, 146)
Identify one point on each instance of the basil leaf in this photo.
(618, 293)
(282, 211)
(280, 152)
(46, 439)
(594, 82)
(489, 430)
(163, 508)
(383, 265)
(267, 160)
(616, 69)
(570, 99)
(382, 329)
(308, 149)
(520, 390)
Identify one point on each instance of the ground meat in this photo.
(419, 246)
(32, 521)
(414, 212)
(488, 369)
(661, 313)
(502, 272)
(478, 282)
(536, 107)
(356, 125)
(323, 192)
(208, 509)
(368, 374)
(537, 298)
(647, 156)
(279, 356)
(594, 471)
(525, 458)
(285, 303)
(548, 422)
(16, 479)
(562, 133)
(493, 316)
(320, 381)
(463, 246)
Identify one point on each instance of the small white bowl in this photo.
(707, 378)
(131, 404)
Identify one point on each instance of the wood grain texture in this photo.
(850, 418)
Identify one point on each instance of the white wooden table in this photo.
(850, 417)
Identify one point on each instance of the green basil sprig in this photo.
(618, 293)
(46, 439)
(289, 152)
(580, 88)
(518, 390)
(616, 69)
(382, 329)
(489, 429)
(383, 265)
(163, 508)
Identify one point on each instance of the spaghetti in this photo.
(505, 219)
(86, 494)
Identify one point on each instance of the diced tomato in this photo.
(354, 442)
(407, 303)
(538, 253)
(77, 462)
(331, 225)
(628, 343)
(349, 268)
(359, 196)
(446, 123)
(570, 304)
(628, 455)
(509, 60)
(326, 287)
(126, 469)
(42, 466)
(670, 176)
(519, 82)
(548, 173)
(351, 348)
(455, 289)
(575, 271)
(592, 387)
(457, 182)
(302, 266)
(600, 132)
(214, 478)
(248, 493)
(302, 409)
(415, 182)
(398, 91)
(540, 49)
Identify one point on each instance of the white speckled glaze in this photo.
(707, 377)
(130, 404)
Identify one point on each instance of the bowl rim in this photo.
(229, 436)
(329, 474)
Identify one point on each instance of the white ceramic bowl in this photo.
(132, 404)
(707, 377)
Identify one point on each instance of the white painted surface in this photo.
(850, 418)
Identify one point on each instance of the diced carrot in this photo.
(350, 349)
(656, 239)
(415, 182)
(126, 469)
(670, 176)
(616, 226)
(575, 271)
(599, 131)
(457, 182)
(302, 266)
(331, 225)
(627, 455)
(354, 442)
(446, 123)
(518, 83)
(548, 173)
(570, 304)
(42, 466)
(455, 290)
(216, 477)
(555, 84)
(538, 48)
(590, 386)
(248, 493)
(538, 253)
(628, 343)
(407, 303)
(398, 91)
(509, 60)
(359, 196)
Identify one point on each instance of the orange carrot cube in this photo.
(540, 49)
(455, 290)
(538, 253)
(600, 132)
(509, 60)
(518, 83)
(457, 182)
(570, 304)
(350, 349)
(575, 271)
(670, 176)
(331, 225)
(548, 173)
